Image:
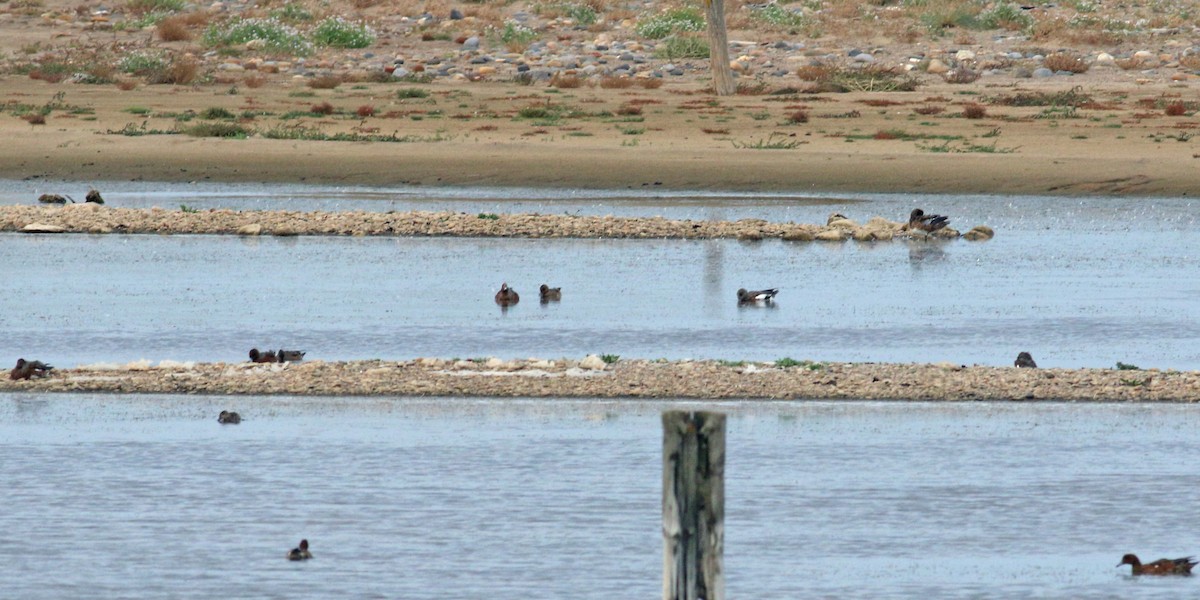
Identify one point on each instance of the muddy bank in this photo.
(92, 218)
(592, 378)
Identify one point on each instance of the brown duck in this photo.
(1025, 361)
(1162, 566)
(29, 369)
(754, 297)
(507, 296)
(927, 223)
(263, 357)
(300, 552)
(549, 294)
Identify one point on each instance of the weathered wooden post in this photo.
(718, 48)
(693, 505)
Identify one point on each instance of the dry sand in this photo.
(592, 378)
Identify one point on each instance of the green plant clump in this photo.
(778, 15)
(142, 63)
(292, 13)
(336, 32)
(610, 358)
(676, 20)
(273, 35)
(678, 47)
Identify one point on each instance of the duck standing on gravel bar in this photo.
(290, 355)
(1162, 566)
(228, 417)
(1025, 361)
(927, 223)
(550, 294)
(507, 296)
(757, 296)
(28, 369)
(262, 357)
(300, 552)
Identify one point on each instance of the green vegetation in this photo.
(217, 130)
(678, 47)
(142, 63)
(336, 32)
(675, 20)
(775, 141)
(216, 113)
(610, 358)
(292, 13)
(272, 34)
(412, 93)
(780, 16)
(489, 216)
(516, 37)
(187, 209)
(1127, 367)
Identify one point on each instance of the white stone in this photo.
(964, 55)
(251, 229)
(43, 228)
(592, 362)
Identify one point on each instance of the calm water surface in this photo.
(1075, 281)
(148, 497)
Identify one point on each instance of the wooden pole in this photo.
(718, 48)
(693, 505)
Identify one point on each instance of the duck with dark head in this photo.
(262, 357)
(300, 552)
(927, 223)
(549, 294)
(29, 369)
(507, 296)
(1162, 566)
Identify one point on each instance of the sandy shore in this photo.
(95, 218)
(593, 378)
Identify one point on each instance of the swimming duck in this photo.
(548, 293)
(28, 369)
(262, 357)
(1025, 360)
(764, 296)
(300, 552)
(1162, 566)
(507, 296)
(927, 223)
(93, 196)
(290, 355)
(228, 417)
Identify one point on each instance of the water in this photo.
(1071, 299)
(148, 497)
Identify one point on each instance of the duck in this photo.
(93, 196)
(53, 199)
(1162, 566)
(300, 552)
(228, 417)
(262, 357)
(550, 294)
(290, 355)
(29, 369)
(927, 223)
(507, 296)
(765, 296)
(1025, 360)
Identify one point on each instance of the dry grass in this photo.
(365, 111)
(800, 116)
(254, 81)
(126, 84)
(929, 110)
(181, 71)
(562, 82)
(486, 128)
(616, 83)
(650, 83)
(974, 111)
(325, 82)
(1175, 109)
(174, 29)
(34, 118)
(815, 73)
(711, 131)
(629, 110)
(323, 108)
(1062, 61)
(1190, 61)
